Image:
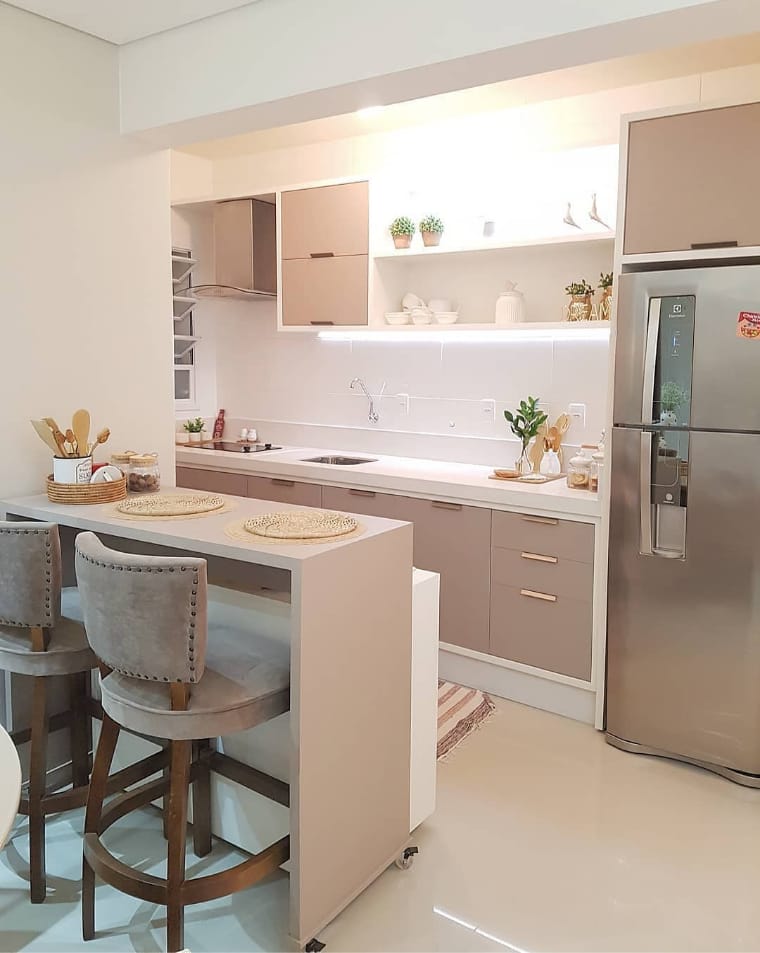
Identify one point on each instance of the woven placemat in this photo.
(191, 513)
(238, 532)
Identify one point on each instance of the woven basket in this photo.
(106, 492)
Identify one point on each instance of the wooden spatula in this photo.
(80, 424)
(46, 435)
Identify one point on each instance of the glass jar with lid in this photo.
(144, 474)
(579, 469)
(121, 459)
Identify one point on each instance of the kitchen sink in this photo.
(340, 461)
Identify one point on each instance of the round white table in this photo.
(10, 784)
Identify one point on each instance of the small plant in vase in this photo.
(402, 230)
(605, 305)
(431, 229)
(194, 429)
(672, 395)
(525, 424)
(580, 305)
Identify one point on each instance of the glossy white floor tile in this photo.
(545, 838)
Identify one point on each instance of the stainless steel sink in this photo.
(340, 461)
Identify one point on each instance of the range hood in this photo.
(245, 248)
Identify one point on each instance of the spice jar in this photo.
(144, 475)
(121, 460)
(579, 471)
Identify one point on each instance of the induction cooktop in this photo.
(237, 446)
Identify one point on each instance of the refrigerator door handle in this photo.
(650, 361)
(645, 493)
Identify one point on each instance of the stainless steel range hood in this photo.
(245, 248)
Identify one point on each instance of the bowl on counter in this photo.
(446, 317)
(397, 317)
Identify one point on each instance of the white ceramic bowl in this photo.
(397, 317)
(411, 301)
(446, 317)
(421, 316)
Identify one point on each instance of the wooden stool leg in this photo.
(80, 729)
(109, 735)
(37, 786)
(178, 793)
(202, 799)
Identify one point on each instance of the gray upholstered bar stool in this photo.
(146, 619)
(38, 641)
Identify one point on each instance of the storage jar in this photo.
(510, 305)
(579, 470)
(121, 459)
(144, 475)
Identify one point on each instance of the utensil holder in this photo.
(72, 470)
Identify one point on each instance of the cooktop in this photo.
(236, 446)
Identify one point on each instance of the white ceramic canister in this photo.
(72, 469)
(510, 305)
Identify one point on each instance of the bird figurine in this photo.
(593, 212)
(568, 219)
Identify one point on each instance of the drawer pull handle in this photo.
(537, 557)
(322, 254)
(699, 246)
(318, 324)
(442, 505)
(543, 596)
(546, 520)
(362, 493)
(284, 482)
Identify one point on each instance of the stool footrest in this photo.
(249, 777)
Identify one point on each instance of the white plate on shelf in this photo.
(397, 317)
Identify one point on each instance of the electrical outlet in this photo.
(403, 400)
(578, 413)
(488, 408)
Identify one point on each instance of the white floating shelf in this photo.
(420, 251)
(475, 333)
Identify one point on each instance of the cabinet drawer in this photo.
(537, 571)
(367, 503)
(552, 633)
(284, 491)
(543, 534)
(332, 219)
(318, 291)
(233, 484)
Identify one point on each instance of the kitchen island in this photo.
(349, 621)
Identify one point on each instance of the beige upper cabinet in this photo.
(324, 291)
(331, 220)
(692, 181)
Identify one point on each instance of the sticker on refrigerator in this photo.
(748, 326)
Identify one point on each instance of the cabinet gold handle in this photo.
(546, 520)
(442, 505)
(320, 323)
(362, 492)
(283, 482)
(543, 596)
(537, 557)
(322, 254)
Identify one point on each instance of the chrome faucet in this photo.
(373, 414)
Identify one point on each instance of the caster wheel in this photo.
(314, 946)
(405, 861)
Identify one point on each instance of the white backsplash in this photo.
(295, 388)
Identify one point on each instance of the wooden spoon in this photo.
(60, 441)
(45, 434)
(71, 440)
(80, 424)
(104, 434)
(555, 438)
(563, 424)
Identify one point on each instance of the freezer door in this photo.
(683, 655)
(687, 353)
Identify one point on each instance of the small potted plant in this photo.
(525, 424)
(431, 229)
(580, 306)
(402, 230)
(605, 305)
(194, 429)
(672, 395)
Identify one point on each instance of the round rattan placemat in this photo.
(239, 532)
(172, 506)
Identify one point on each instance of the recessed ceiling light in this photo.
(369, 111)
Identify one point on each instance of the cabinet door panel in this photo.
(542, 629)
(692, 180)
(527, 570)
(284, 491)
(325, 291)
(332, 219)
(190, 478)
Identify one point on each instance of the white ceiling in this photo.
(120, 22)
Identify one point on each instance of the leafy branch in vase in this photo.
(526, 422)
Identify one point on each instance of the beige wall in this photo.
(84, 253)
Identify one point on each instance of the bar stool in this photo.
(146, 619)
(38, 641)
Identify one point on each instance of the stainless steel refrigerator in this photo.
(683, 644)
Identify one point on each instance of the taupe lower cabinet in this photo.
(692, 181)
(450, 539)
(513, 585)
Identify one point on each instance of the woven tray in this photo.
(301, 524)
(163, 505)
(86, 493)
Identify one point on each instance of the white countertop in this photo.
(456, 482)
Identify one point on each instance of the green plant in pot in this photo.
(605, 286)
(431, 229)
(194, 429)
(580, 306)
(672, 395)
(525, 422)
(402, 229)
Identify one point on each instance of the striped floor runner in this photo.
(460, 711)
